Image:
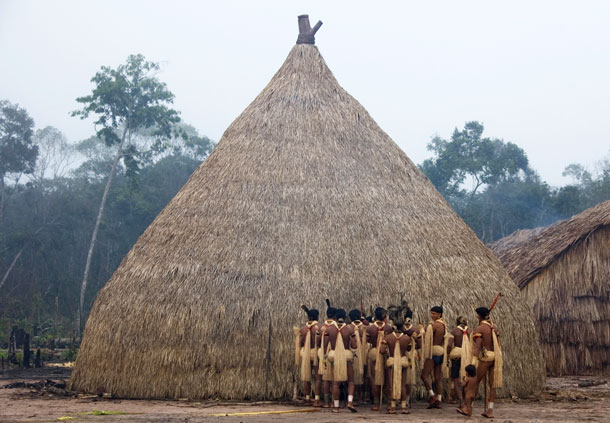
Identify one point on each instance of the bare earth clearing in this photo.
(562, 401)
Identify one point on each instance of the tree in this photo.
(469, 157)
(124, 100)
(17, 152)
(54, 154)
(587, 189)
(508, 206)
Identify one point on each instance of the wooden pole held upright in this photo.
(268, 361)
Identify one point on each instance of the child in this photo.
(470, 390)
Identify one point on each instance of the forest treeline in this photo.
(491, 185)
(50, 193)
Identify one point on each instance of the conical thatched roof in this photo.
(304, 198)
(564, 273)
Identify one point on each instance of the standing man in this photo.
(341, 340)
(375, 333)
(360, 356)
(460, 355)
(487, 357)
(435, 356)
(309, 356)
(396, 347)
(324, 368)
(416, 341)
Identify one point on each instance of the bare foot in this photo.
(435, 404)
(489, 414)
(404, 411)
(391, 410)
(462, 412)
(316, 403)
(326, 405)
(335, 409)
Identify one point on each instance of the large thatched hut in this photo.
(304, 198)
(564, 272)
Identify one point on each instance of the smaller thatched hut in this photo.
(564, 272)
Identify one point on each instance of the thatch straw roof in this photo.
(526, 253)
(564, 273)
(516, 238)
(304, 198)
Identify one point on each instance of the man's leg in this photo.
(392, 404)
(336, 393)
(350, 387)
(482, 370)
(408, 395)
(438, 380)
(458, 391)
(404, 407)
(374, 388)
(326, 389)
(489, 411)
(425, 377)
(307, 391)
(317, 388)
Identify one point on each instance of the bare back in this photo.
(309, 327)
(485, 339)
(372, 331)
(415, 335)
(347, 331)
(404, 341)
(438, 331)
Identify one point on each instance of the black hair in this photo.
(437, 309)
(471, 370)
(399, 321)
(483, 312)
(340, 314)
(313, 314)
(380, 313)
(355, 315)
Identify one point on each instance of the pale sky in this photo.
(534, 72)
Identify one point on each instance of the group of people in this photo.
(384, 354)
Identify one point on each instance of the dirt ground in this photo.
(562, 401)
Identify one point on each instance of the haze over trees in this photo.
(491, 185)
(51, 193)
(126, 100)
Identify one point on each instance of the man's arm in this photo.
(476, 347)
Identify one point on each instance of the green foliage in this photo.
(505, 193)
(485, 161)
(128, 99)
(54, 221)
(17, 152)
(69, 355)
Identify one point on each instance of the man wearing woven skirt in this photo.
(460, 355)
(396, 348)
(375, 333)
(360, 354)
(435, 356)
(341, 340)
(324, 367)
(487, 357)
(309, 356)
(414, 352)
